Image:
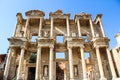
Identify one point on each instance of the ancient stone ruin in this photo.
(37, 43)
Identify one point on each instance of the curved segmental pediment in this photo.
(35, 13)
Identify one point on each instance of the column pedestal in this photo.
(103, 79)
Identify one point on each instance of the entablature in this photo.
(100, 41)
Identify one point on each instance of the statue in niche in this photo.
(46, 34)
(45, 70)
(76, 70)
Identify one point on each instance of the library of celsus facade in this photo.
(54, 48)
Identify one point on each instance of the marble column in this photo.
(40, 27)
(12, 68)
(21, 60)
(51, 63)
(68, 26)
(112, 68)
(71, 63)
(101, 26)
(26, 26)
(51, 30)
(79, 30)
(65, 76)
(38, 65)
(83, 64)
(92, 28)
(7, 65)
(102, 76)
(15, 29)
(26, 66)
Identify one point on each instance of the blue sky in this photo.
(8, 9)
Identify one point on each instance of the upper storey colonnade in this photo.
(58, 24)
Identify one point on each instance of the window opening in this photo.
(59, 39)
(60, 55)
(85, 37)
(33, 39)
(87, 55)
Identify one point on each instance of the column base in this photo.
(103, 78)
(115, 78)
(85, 79)
(72, 79)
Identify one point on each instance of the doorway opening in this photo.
(31, 73)
(59, 72)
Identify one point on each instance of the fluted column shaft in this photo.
(92, 28)
(68, 27)
(101, 26)
(38, 64)
(7, 65)
(111, 63)
(71, 63)
(40, 27)
(102, 76)
(79, 30)
(51, 63)
(83, 64)
(51, 31)
(20, 64)
(26, 26)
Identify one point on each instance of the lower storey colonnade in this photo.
(69, 67)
